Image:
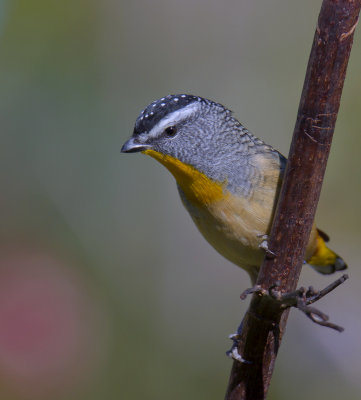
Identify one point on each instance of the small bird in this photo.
(228, 179)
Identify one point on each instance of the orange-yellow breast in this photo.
(231, 223)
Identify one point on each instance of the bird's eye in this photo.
(171, 131)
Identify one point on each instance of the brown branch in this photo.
(265, 320)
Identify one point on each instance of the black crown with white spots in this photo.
(157, 110)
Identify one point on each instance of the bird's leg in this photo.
(264, 246)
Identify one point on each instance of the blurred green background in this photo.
(107, 290)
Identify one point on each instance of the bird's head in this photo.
(185, 131)
(192, 129)
(189, 135)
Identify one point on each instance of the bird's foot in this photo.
(264, 246)
(233, 352)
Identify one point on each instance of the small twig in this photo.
(317, 316)
(326, 290)
(255, 289)
(301, 299)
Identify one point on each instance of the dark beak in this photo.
(131, 146)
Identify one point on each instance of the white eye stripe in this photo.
(173, 119)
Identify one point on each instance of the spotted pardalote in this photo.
(227, 178)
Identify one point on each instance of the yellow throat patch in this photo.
(197, 187)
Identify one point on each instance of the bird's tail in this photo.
(324, 260)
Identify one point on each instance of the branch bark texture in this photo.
(265, 321)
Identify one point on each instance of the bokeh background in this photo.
(107, 290)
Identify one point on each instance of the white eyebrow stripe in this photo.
(172, 119)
